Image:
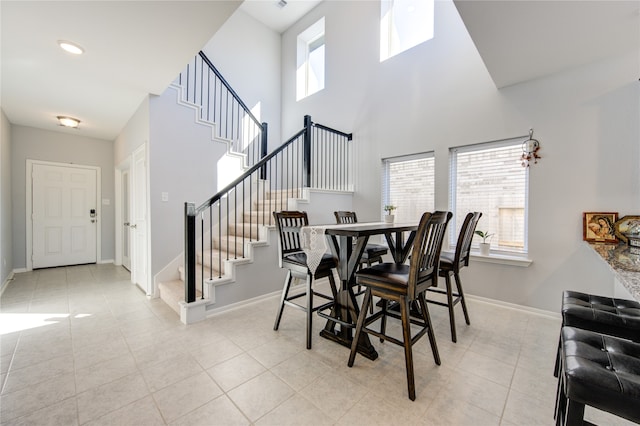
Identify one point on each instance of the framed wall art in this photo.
(598, 227)
(626, 225)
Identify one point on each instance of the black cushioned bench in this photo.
(607, 315)
(600, 371)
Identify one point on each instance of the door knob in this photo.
(127, 224)
(133, 226)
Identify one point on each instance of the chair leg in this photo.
(309, 298)
(383, 319)
(359, 325)
(575, 413)
(408, 352)
(427, 319)
(556, 368)
(462, 301)
(452, 318)
(285, 294)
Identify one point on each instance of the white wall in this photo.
(183, 162)
(439, 94)
(37, 144)
(247, 53)
(6, 225)
(134, 134)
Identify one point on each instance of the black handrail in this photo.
(324, 155)
(229, 88)
(205, 87)
(224, 191)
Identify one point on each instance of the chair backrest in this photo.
(425, 255)
(345, 217)
(288, 224)
(463, 246)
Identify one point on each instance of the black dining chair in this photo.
(293, 258)
(373, 252)
(450, 264)
(405, 284)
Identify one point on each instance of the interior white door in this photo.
(126, 221)
(139, 263)
(64, 215)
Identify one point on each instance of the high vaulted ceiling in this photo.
(520, 40)
(132, 48)
(138, 47)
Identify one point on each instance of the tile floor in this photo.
(82, 345)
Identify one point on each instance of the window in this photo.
(408, 184)
(489, 178)
(404, 24)
(310, 71)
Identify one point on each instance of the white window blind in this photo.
(408, 182)
(489, 178)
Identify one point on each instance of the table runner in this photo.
(314, 244)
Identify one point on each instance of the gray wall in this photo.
(44, 145)
(6, 225)
(134, 134)
(248, 55)
(439, 95)
(183, 162)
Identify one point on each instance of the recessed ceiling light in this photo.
(68, 121)
(70, 47)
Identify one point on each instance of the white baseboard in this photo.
(104, 261)
(529, 309)
(242, 303)
(6, 282)
(19, 270)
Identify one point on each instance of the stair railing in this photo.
(220, 105)
(317, 157)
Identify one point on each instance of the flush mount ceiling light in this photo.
(68, 121)
(282, 3)
(71, 47)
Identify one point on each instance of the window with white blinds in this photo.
(489, 178)
(408, 184)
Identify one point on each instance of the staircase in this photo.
(231, 249)
(226, 230)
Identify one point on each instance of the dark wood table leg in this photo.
(347, 310)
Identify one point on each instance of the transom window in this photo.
(404, 24)
(409, 184)
(310, 71)
(489, 178)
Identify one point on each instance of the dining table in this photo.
(347, 243)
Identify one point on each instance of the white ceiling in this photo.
(138, 47)
(132, 48)
(521, 40)
(275, 17)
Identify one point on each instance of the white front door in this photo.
(64, 215)
(126, 221)
(138, 222)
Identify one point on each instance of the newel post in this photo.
(307, 152)
(190, 252)
(263, 149)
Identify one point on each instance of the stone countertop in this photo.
(625, 265)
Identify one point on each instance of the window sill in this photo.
(502, 259)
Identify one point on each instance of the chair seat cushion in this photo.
(394, 274)
(300, 260)
(602, 371)
(372, 251)
(446, 261)
(616, 317)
